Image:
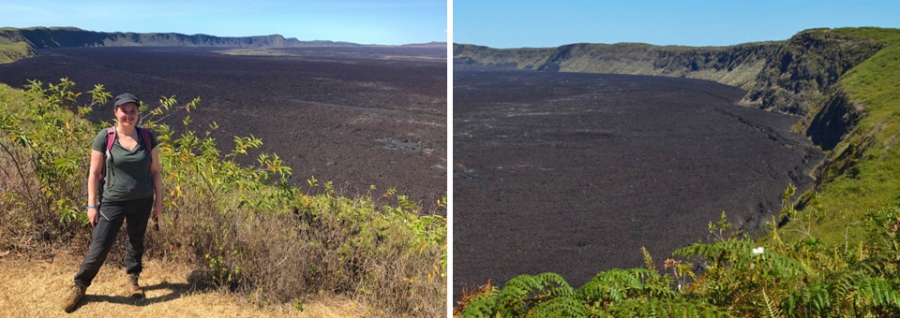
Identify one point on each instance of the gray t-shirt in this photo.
(127, 172)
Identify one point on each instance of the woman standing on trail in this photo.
(126, 157)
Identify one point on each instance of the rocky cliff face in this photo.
(804, 69)
(837, 118)
(787, 77)
(801, 78)
(829, 127)
(734, 65)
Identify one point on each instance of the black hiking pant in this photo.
(112, 214)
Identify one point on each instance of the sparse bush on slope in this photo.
(245, 226)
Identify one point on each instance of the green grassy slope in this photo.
(12, 46)
(862, 172)
(14, 51)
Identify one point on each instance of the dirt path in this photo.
(34, 288)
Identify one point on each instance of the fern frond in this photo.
(773, 310)
(484, 307)
(556, 285)
(813, 300)
(617, 285)
(877, 292)
(644, 307)
(648, 260)
(779, 265)
(525, 291)
(718, 252)
(560, 307)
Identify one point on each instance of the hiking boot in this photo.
(132, 288)
(72, 299)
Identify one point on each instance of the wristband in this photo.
(90, 207)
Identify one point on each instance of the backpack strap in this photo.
(145, 139)
(110, 139)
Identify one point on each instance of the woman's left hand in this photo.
(157, 209)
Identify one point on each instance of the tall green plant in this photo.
(41, 144)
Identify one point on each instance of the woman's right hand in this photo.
(93, 216)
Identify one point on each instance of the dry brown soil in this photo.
(35, 288)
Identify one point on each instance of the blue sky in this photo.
(531, 23)
(360, 21)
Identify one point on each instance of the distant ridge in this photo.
(735, 65)
(18, 43)
(58, 37)
(786, 76)
(436, 45)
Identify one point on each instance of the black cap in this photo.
(126, 98)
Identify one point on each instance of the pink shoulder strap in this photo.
(145, 137)
(110, 138)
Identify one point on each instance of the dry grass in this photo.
(34, 288)
(469, 296)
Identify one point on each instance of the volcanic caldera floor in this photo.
(574, 173)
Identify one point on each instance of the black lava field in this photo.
(574, 173)
(355, 116)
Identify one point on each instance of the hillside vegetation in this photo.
(244, 228)
(11, 52)
(862, 170)
(837, 254)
